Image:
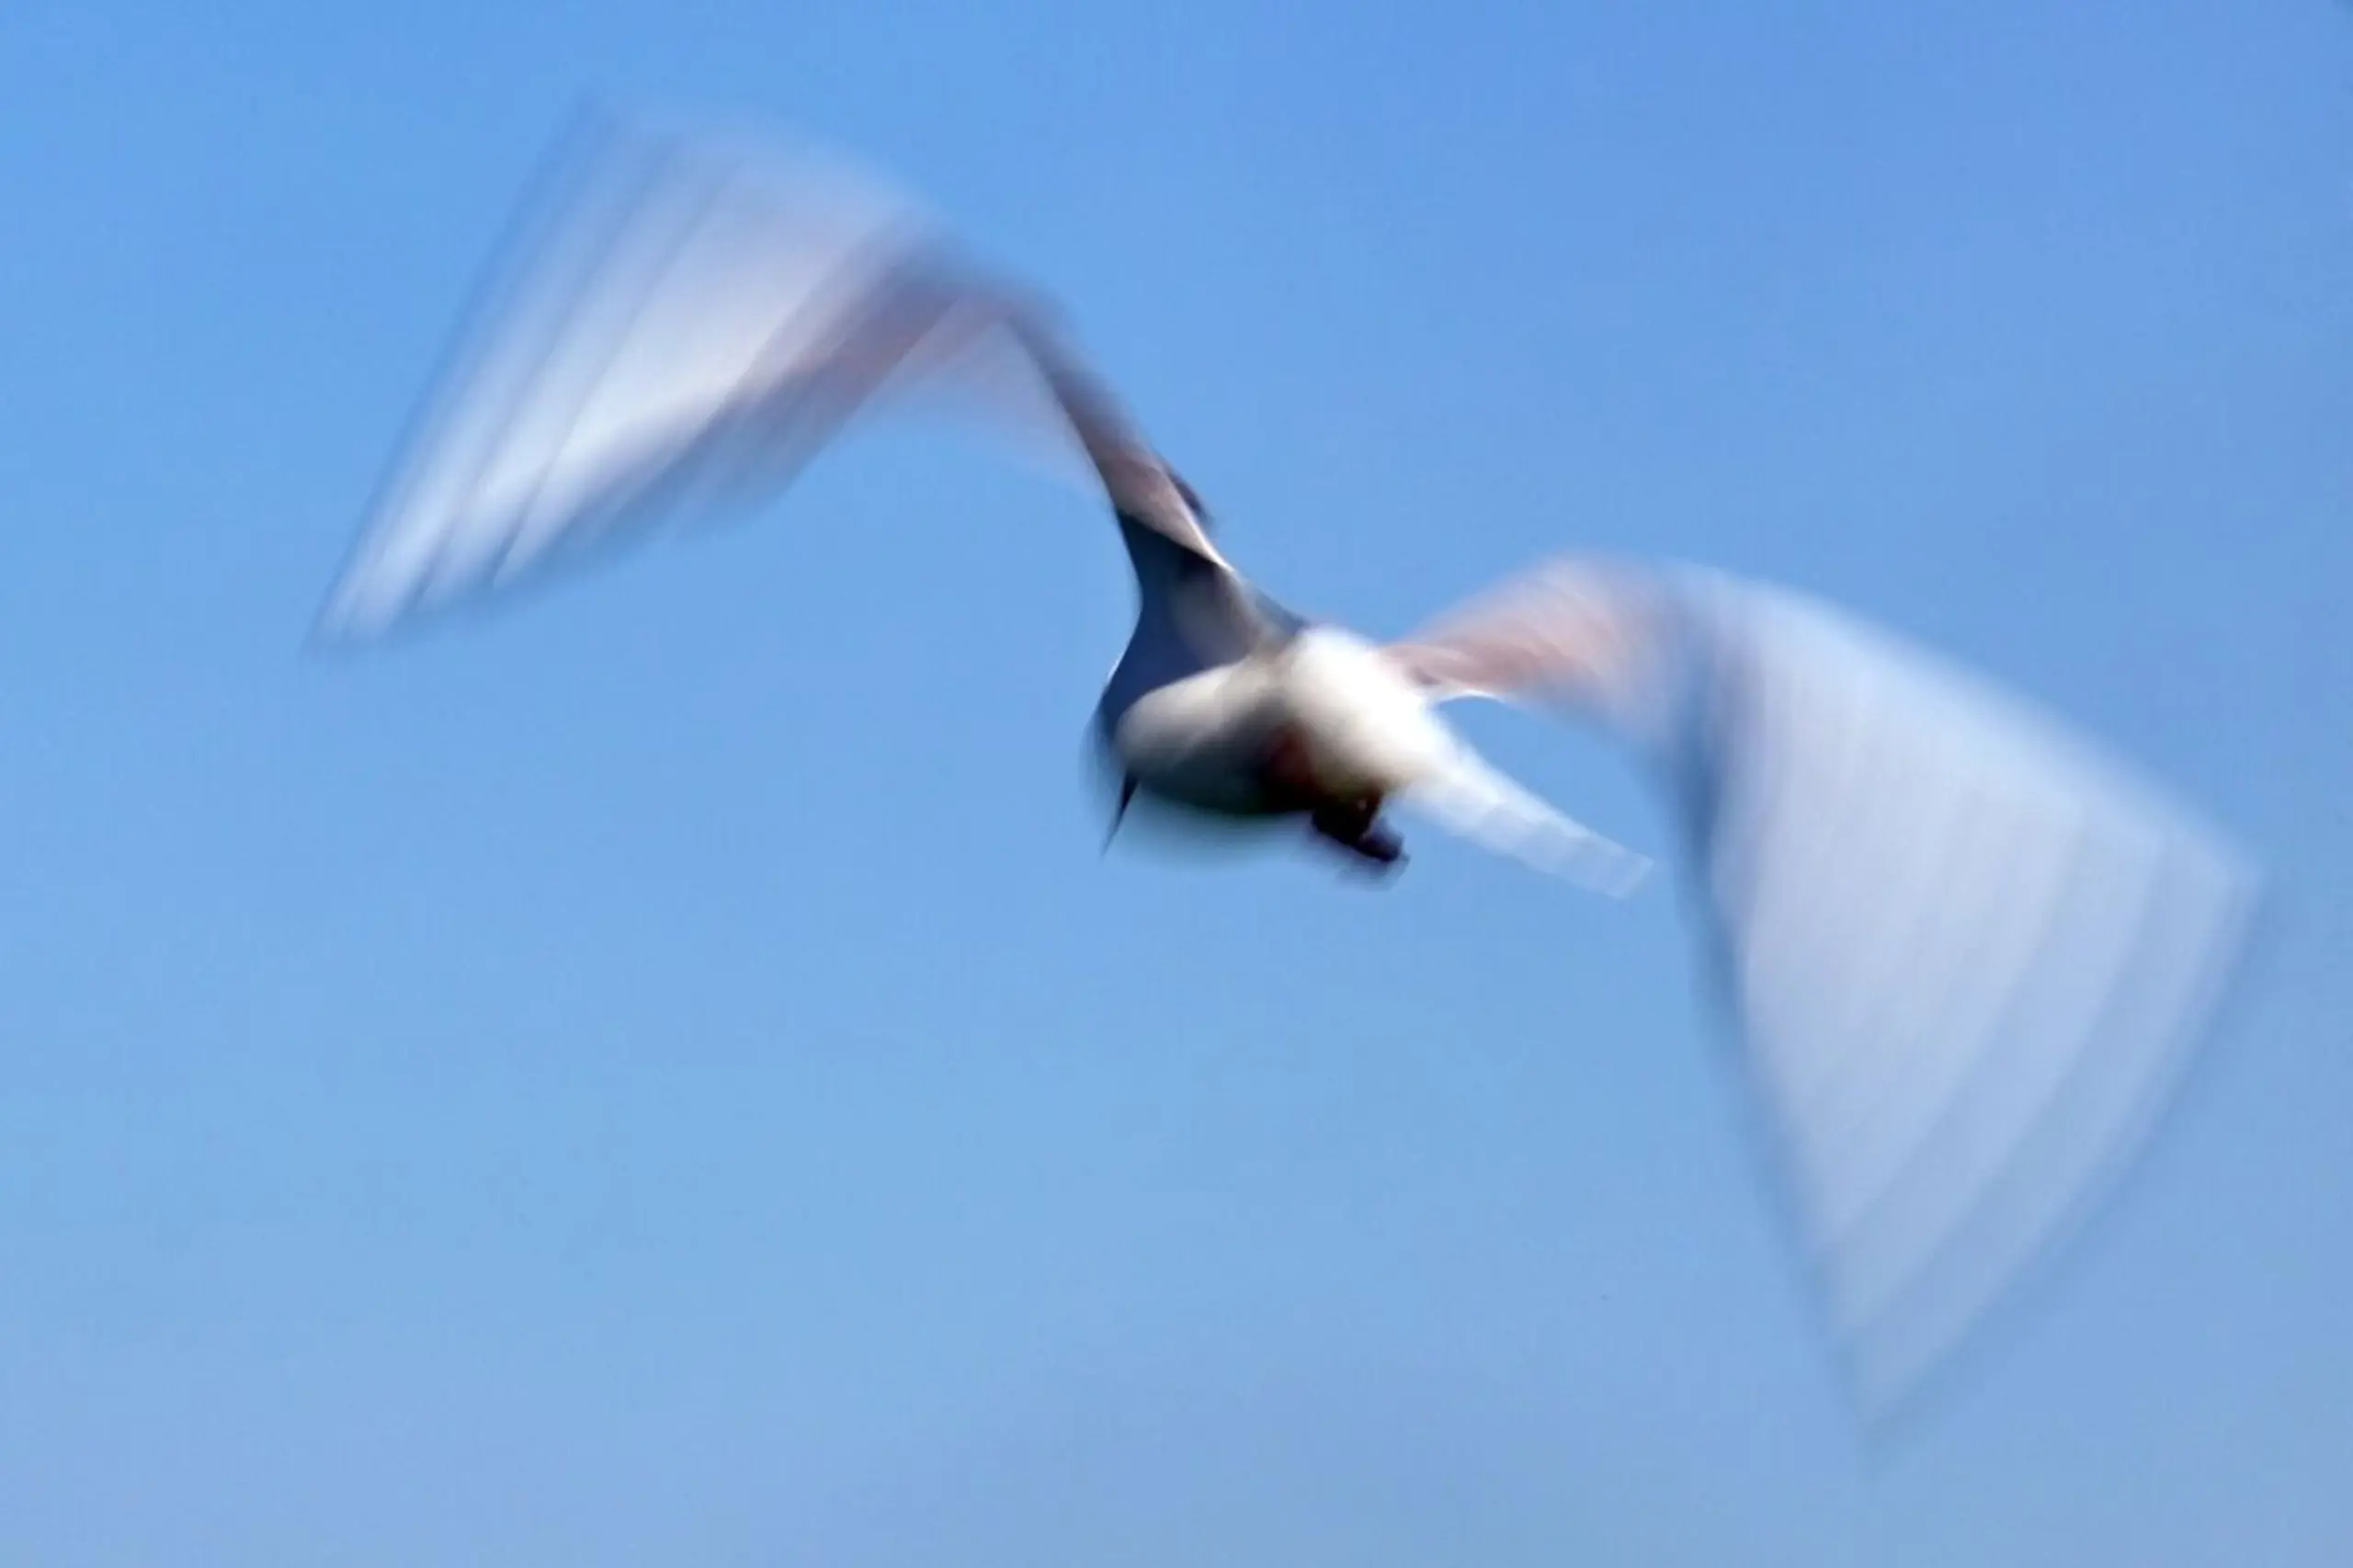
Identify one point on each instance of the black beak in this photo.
(1119, 814)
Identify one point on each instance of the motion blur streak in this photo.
(678, 322)
(1966, 957)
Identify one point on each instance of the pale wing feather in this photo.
(1969, 953)
(686, 322)
(1966, 955)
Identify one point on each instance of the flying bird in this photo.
(1965, 954)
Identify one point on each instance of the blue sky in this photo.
(663, 1075)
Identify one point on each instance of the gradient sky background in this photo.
(663, 1075)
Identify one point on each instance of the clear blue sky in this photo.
(664, 1076)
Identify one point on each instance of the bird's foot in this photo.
(1356, 829)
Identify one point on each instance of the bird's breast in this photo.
(1202, 740)
(1327, 711)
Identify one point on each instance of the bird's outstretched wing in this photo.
(684, 321)
(1966, 955)
(1569, 632)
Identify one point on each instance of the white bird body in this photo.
(1201, 740)
(1965, 956)
(1227, 704)
(1327, 704)
(1369, 730)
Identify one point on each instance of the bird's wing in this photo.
(1143, 490)
(1568, 632)
(1966, 955)
(684, 321)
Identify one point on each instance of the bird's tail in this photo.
(1468, 796)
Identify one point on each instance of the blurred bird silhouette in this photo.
(1965, 954)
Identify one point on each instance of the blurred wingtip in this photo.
(332, 638)
(1624, 874)
(1972, 961)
